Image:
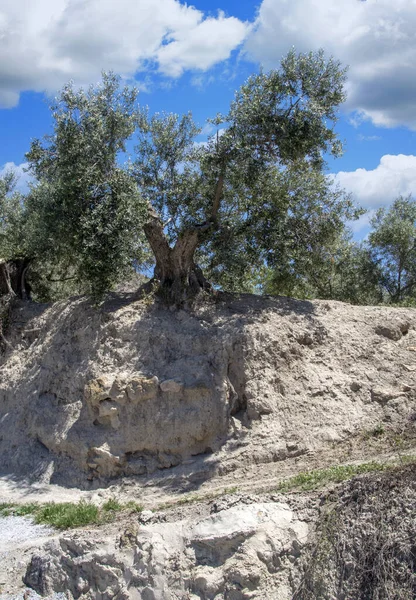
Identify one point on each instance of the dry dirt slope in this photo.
(156, 402)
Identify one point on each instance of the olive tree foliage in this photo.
(86, 204)
(297, 229)
(253, 195)
(228, 204)
(10, 217)
(13, 251)
(392, 246)
(342, 270)
(380, 270)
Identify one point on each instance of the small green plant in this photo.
(22, 510)
(113, 505)
(376, 432)
(231, 490)
(133, 506)
(5, 509)
(398, 442)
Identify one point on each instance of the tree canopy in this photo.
(392, 246)
(254, 195)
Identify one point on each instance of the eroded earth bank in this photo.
(201, 418)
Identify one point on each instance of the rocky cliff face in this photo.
(154, 403)
(239, 546)
(88, 394)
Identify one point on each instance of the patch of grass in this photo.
(133, 506)
(22, 510)
(312, 480)
(113, 505)
(406, 459)
(5, 509)
(231, 490)
(67, 515)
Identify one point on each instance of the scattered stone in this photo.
(142, 388)
(382, 396)
(171, 385)
(393, 331)
(146, 516)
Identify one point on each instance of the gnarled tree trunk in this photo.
(13, 280)
(180, 279)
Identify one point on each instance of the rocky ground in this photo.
(199, 417)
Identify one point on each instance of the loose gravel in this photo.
(18, 530)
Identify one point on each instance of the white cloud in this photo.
(211, 41)
(44, 43)
(394, 176)
(23, 177)
(376, 38)
(368, 138)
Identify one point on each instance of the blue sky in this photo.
(193, 57)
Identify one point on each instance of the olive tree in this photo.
(392, 244)
(227, 204)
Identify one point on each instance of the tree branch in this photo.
(217, 196)
(155, 235)
(6, 278)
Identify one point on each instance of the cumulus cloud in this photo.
(44, 43)
(394, 176)
(376, 38)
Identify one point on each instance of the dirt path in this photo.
(202, 477)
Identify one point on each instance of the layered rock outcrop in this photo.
(89, 394)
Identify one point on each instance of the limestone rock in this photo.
(98, 389)
(234, 553)
(219, 535)
(142, 388)
(106, 463)
(145, 516)
(107, 409)
(171, 385)
(382, 396)
(118, 390)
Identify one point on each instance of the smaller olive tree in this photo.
(392, 245)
